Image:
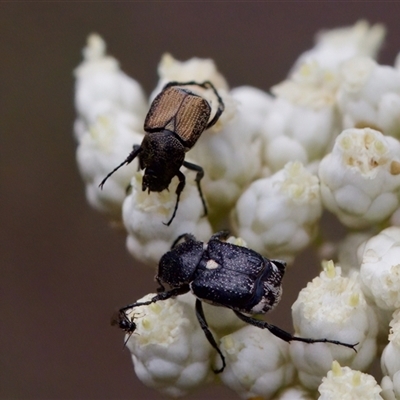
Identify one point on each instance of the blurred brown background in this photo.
(63, 269)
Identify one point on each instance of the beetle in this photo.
(225, 275)
(128, 325)
(176, 119)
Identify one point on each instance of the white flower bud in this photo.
(102, 147)
(332, 307)
(387, 388)
(304, 113)
(231, 157)
(343, 383)
(369, 96)
(258, 363)
(348, 251)
(99, 79)
(169, 350)
(380, 269)
(145, 215)
(390, 360)
(278, 216)
(111, 109)
(360, 178)
(198, 69)
(334, 46)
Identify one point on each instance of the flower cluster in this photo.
(324, 140)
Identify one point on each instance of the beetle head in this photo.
(154, 181)
(178, 266)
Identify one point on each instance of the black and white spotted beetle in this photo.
(226, 275)
(175, 121)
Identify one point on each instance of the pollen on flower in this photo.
(238, 241)
(230, 346)
(147, 324)
(155, 308)
(330, 270)
(336, 369)
(363, 149)
(343, 382)
(330, 296)
(357, 378)
(354, 300)
(298, 183)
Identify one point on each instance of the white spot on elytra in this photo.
(211, 264)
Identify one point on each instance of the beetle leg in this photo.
(221, 105)
(286, 336)
(161, 288)
(199, 177)
(159, 297)
(179, 188)
(221, 235)
(132, 155)
(203, 323)
(185, 236)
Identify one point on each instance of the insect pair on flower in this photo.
(217, 272)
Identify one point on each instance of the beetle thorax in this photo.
(161, 156)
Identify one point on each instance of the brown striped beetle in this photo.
(175, 121)
(225, 275)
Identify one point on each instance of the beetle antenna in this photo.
(286, 336)
(132, 155)
(159, 297)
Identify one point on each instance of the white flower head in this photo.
(99, 79)
(278, 216)
(110, 108)
(380, 269)
(169, 350)
(199, 69)
(332, 307)
(369, 96)
(348, 251)
(302, 121)
(258, 363)
(105, 144)
(344, 383)
(231, 157)
(145, 215)
(390, 360)
(360, 178)
(334, 46)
